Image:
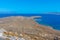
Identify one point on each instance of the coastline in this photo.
(28, 26)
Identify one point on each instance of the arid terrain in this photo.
(28, 28)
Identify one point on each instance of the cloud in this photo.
(4, 10)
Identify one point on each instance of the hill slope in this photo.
(28, 26)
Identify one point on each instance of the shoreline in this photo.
(34, 20)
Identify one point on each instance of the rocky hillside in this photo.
(30, 29)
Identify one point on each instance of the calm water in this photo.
(47, 19)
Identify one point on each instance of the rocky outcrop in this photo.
(30, 29)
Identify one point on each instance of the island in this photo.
(26, 28)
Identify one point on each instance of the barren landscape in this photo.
(28, 28)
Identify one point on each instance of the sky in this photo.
(30, 6)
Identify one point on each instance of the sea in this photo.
(51, 20)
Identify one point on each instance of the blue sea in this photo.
(46, 19)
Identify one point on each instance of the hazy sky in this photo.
(29, 6)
